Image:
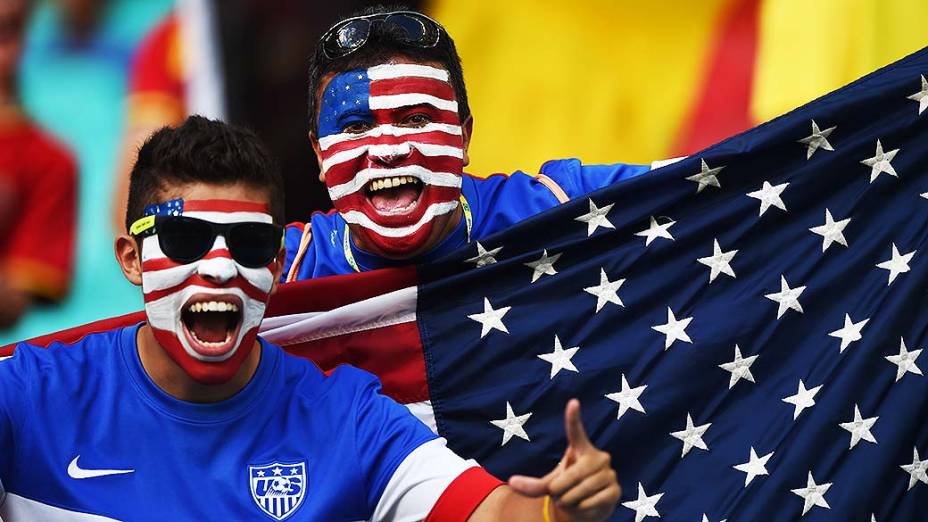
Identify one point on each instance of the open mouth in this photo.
(398, 195)
(212, 323)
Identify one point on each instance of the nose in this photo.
(220, 269)
(389, 155)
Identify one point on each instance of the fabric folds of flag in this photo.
(744, 328)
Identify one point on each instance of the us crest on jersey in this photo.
(278, 488)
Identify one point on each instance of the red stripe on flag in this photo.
(72, 335)
(328, 293)
(412, 85)
(223, 205)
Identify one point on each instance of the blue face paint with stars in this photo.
(346, 100)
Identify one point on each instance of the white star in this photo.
(644, 505)
(754, 467)
(674, 329)
(921, 96)
(606, 291)
(706, 519)
(905, 360)
(787, 298)
(655, 231)
(917, 470)
(691, 436)
(740, 368)
(596, 218)
(850, 332)
(859, 428)
(706, 176)
(512, 425)
(719, 262)
(813, 494)
(627, 398)
(880, 162)
(261, 473)
(769, 195)
(831, 231)
(898, 264)
(277, 470)
(924, 195)
(490, 318)
(560, 358)
(817, 140)
(544, 265)
(803, 399)
(484, 257)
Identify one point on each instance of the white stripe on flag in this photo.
(424, 412)
(426, 176)
(388, 130)
(400, 70)
(393, 101)
(436, 209)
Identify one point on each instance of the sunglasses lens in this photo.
(254, 245)
(412, 28)
(185, 240)
(348, 37)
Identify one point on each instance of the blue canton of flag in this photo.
(744, 328)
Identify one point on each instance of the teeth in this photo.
(209, 344)
(395, 181)
(213, 306)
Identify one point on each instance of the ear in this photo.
(466, 129)
(278, 268)
(129, 256)
(318, 151)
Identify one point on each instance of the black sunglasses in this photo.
(185, 239)
(349, 35)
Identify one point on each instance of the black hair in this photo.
(201, 150)
(383, 44)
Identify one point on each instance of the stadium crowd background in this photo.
(601, 80)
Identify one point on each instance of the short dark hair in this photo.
(201, 150)
(383, 44)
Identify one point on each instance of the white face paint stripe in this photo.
(394, 101)
(230, 217)
(398, 70)
(426, 149)
(437, 209)
(427, 177)
(388, 130)
(155, 280)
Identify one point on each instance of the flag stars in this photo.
(802, 399)
(787, 298)
(544, 265)
(859, 428)
(813, 494)
(849, 333)
(674, 329)
(754, 467)
(560, 358)
(817, 140)
(921, 96)
(644, 505)
(656, 230)
(740, 368)
(512, 425)
(277, 470)
(706, 176)
(917, 470)
(627, 398)
(897, 264)
(490, 319)
(719, 262)
(769, 195)
(880, 162)
(484, 257)
(832, 231)
(606, 291)
(691, 436)
(905, 360)
(596, 218)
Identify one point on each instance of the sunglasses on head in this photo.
(349, 35)
(185, 239)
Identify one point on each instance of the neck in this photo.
(174, 381)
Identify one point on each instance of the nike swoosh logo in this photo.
(77, 472)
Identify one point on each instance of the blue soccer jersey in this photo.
(496, 203)
(86, 435)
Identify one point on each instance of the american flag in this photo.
(744, 328)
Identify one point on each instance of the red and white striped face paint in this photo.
(392, 152)
(206, 314)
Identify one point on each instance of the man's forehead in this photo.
(359, 74)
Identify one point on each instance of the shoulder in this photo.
(309, 382)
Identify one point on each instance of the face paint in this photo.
(206, 314)
(392, 152)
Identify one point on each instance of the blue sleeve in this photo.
(14, 391)
(577, 179)
(386, 433)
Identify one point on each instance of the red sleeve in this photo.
(463, 495)
(156, 82)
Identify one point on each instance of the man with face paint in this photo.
(192, 416)
(390, 126)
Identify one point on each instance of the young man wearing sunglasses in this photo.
(390, 126)
(191, 416)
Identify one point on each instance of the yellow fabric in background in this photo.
(605, 81)
(811, 47)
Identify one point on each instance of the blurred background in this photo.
(84, 81)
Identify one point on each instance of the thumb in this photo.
(577, 439)
(531, 486)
